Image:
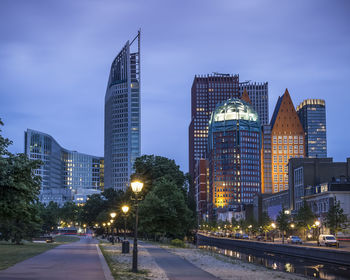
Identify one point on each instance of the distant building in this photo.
(234, 154)
(323, 196)
(287, 140)
(206, 92)
(201, 182)
(259, 96)
(308, 172)
(122, 117)
(312, 115)
(266, 160)
(65, 174)
(274, 203)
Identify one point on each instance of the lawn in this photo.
(11, 254)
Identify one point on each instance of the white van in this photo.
(327, 240)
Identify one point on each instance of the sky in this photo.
(55, 58)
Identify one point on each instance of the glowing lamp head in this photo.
(273, 225)
(113, 214)
(104, 224)
(136, 187)
(317, 223)
(108, 223)
(125, 209)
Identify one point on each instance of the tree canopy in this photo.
(335, 218)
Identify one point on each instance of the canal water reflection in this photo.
(286, 263)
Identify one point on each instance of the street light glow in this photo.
(125, 209)
(113, 214)
(136, 187)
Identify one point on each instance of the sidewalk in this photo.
(175, 267)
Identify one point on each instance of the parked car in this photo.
(238, 235)
(293, 239)
(327, 240)
(245, 236)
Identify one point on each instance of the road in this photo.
(79, 260)
(177, 268)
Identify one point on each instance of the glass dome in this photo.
(234, 109)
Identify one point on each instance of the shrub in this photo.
(177, 243)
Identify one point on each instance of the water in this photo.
(285, 263)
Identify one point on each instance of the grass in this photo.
(10, 254)
(121, 270)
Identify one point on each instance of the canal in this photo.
(305, 267)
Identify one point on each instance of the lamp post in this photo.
(136, 188)
(125, 244)
(317, 224)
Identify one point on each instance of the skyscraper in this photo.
(206, 92)
(66, 175)
(312, 114)
(122, 116)
(287, 140)
(259, 96)
(234, 144)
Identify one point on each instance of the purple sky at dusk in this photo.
(56, 55)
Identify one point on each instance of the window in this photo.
(290, 139)
(279, 139)
(285, 159)
(280, 168)
(275, 139)
(274, 158)
(275, 188)
(285, 140)
(295, 139)
(300, 139)
(279, 158)
(275, 168)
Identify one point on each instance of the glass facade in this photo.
(312, 115)
(234, 144)
(122, 117)
(65, 174)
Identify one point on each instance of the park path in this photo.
(78, 260)
(175, 267)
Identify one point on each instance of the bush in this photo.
(177, 243)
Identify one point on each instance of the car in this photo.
(238, 235)
(245, 236)
(327, 240)
(293, 239)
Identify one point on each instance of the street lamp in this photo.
(136, 188)
(113, 214)
(125, 244)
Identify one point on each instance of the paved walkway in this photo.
(175, 267)
(79, 260)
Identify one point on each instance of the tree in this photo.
(305, 217)
(69, 213)
(149, 168)
(91, 210)
(49, 215)
(335, 218)
(265, 224)
(282, 222)
(164, 211)
(19, 190)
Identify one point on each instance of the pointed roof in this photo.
(245, 97)
(284, 117)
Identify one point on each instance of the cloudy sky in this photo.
(55, 58)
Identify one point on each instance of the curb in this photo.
(105, 268)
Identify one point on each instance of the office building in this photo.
(259, 96)
(266, 160)
(234, 154)
(66, 175)
(122, 116)
(308, 172)
(206, 92)
(287, 140)
(201, 182)
(312, 115)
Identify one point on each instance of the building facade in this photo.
(308, 172)
(234, 144)
(287, 141)
(65, 174)
(122, 117)
(259, 96)
(201, 182)
(312, 115)
(206, 92)
(266, 159)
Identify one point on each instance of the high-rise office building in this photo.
(312, 114)
(201, 182)
(234, 154)
(122, 116)
(206, 92)
(259, 96)
(66, 175)
(266, 160)
(287, 140)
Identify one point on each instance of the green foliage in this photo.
(149, 168)
(283, 222)
(305, 217)
(164, 211)
(49, 215)
(178, 243)
(19, 189)
(335, 218)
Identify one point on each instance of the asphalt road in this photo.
(77, 260)
(177, 268)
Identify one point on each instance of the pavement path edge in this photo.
(105, 267)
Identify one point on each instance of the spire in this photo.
(245, 97)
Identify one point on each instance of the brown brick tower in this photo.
(287, 140)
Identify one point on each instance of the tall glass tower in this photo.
(312, 115)
(122, 116)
